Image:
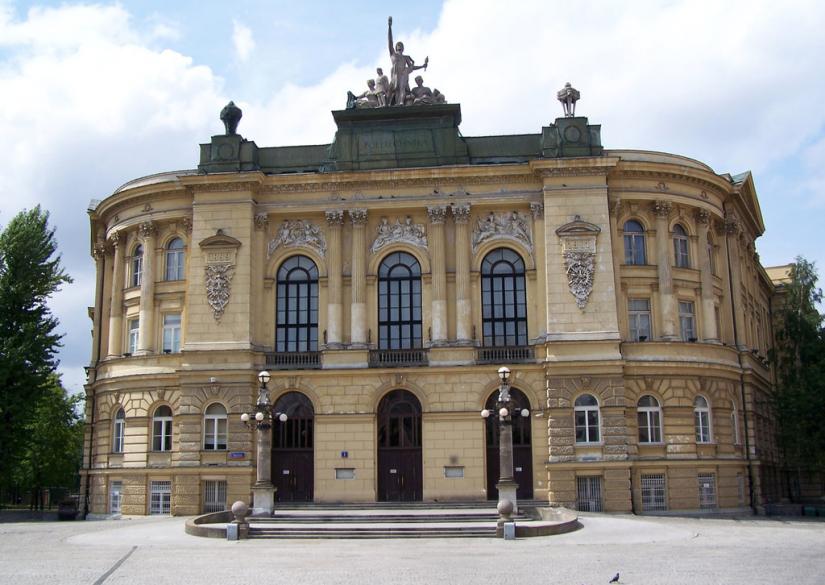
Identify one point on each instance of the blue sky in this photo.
(93, 95)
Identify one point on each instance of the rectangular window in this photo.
(171, 333)
(654, 493)
(650, 427)
(707, 491)
(134, 330)
(687, 320)
(639, 317)
(162, 434)
(589, 494)
(214, 496)
(115, 496)
(117, 435)
(160, 501)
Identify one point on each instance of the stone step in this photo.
(424, 531)
(458, 504)
(344, 518)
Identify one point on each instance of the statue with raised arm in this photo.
(402, 66)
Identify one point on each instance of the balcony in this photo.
(294, 360)
(397, 358)
(505, 355)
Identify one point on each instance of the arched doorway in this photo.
(293, 466)
(522, 449)
(399, 448)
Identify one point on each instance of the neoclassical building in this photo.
(383, 279)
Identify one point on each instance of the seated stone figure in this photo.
(421, 95)
(368, 99)
(438, 97)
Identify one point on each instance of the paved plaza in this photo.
(643, 550)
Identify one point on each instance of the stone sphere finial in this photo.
(240, 510)
(505, 508)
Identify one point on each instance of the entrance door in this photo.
(522, 450)
(399, 448)
(293, 465)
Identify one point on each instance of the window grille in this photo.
(160, 497)
(214, 496)
(654, 493)
(707, 491)
(115, 496)
(589, 494)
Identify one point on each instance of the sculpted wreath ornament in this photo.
(579, 267)
(218, 287)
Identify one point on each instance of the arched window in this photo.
(118, 431)
(399, 302)
(701, 418)
(649, 417)
(174, 259)
(503, 299)
(214, 427)
(136, 275)
(162, 429)
(586, 412)
(634, 243)
(297, 305)
(680, 247)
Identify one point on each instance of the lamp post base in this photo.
(263, 500)
(507, 491)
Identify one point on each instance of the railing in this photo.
(294, 360)
(504, 355)
(397, 358)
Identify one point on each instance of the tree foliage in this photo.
(799, 357)
(30, 273)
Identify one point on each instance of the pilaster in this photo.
(463, 303)
(438, 215)
(358, 308)
(335, 220)
(116, 310)
(146, 333)
(668, 316)
(709, 332)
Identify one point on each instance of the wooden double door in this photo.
(522, 448)
(293, 461)
(400, 467)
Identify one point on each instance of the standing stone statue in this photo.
(230, 116)
(402, 66)
(382, 87)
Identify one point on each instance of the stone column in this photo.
(259, 316)
(335, 219)
(146, 333)
(438, 214)
(263, 492)
(358, 307)
(733, 233)
(463, 300)
(116, 309)
(667, 303)
(709, 332)
(99, 253)
(617, 245)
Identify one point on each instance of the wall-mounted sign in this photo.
(235, 455)
(344, 454)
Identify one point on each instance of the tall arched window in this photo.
(586, 412)
(297, 319)
(634, 243)
(118, 431)
(649, 417)
(214, 427)
(680, 247)
(701, 418)
(503, 299)
(162, 429)
(136, 274)
(399, 302)
(174, 259)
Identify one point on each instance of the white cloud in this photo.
(242, 40)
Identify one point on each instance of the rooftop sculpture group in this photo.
(395, 90)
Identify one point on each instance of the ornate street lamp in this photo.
(263, 492)
(505, 407)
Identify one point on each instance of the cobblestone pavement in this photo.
(656, 551)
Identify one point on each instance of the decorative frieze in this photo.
(295, 233)
(578, 239)
(503, 226)
(405, 233)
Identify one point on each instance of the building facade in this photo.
(384, 278)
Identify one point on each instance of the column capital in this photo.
(261, 221)
(437, 213)
(461, 212)
(334, 217)
(147, 229)
(702, 217)
(187, 224)
(615, 206)
(732, 224)
(662, 208)
(537, 209)
(99, 250)
(358, 216)
(114, 238)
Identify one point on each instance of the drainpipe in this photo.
(741, 375)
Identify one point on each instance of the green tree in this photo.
(30, 273)
(799, 358)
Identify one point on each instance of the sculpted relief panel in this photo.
(503, 226)
(298, 233)
(407, 233)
